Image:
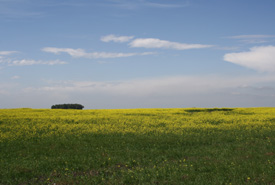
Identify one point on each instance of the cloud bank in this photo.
(258, 58)
(164, 44)
(168, 86)
(173, 91)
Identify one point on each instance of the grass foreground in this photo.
(137, 146)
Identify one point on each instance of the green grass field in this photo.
(137, 146)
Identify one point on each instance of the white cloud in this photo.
(109, 38)
(258, 58)
(7, 52)
(26, 62)
(80, 53)
(72, 52)
(157, 43)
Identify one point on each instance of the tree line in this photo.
(68, 106)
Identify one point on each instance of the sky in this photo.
(119, 54)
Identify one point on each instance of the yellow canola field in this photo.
(24, 124)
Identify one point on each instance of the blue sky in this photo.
(137, 53)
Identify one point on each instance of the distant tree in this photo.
(68, 106)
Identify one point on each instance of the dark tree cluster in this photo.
(68, 106)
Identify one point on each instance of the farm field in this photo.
(137, 146)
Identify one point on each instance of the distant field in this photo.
(137, 146)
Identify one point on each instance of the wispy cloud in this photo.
(19, 9)
(251, 36)
(161, 5)
(252, 39)
(80, 53)
(157, 43)
(258, 58)
(7, 52)
(227, 48)
(26, 62)
(124, 4)
(76, 3)
(114, 38)
(15, 77)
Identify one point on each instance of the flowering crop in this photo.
(120, 146)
